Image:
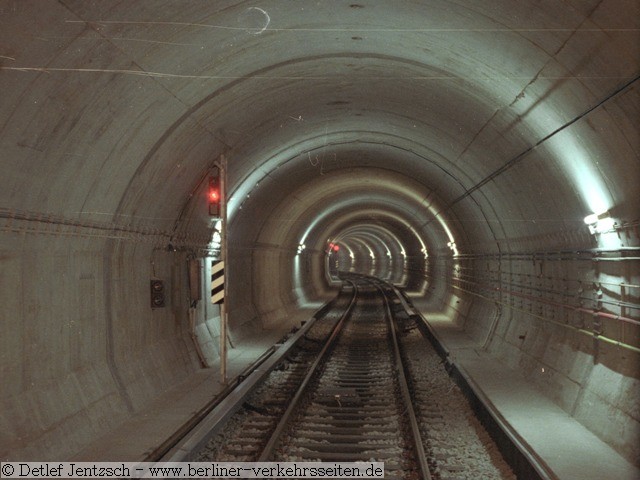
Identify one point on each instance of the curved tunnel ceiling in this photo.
(466, 100)
(481, 125)
(451, 94)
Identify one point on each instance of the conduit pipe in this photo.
(518, 158)
(580, 330)
(557, 304)
(629, 305)
(552, 255)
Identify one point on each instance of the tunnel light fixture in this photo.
(216, 238)
(591, 219)
(301, 248)
(599, 222)
(424, 252)
(453, 247)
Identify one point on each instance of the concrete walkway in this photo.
(141, 434)
(568, 449)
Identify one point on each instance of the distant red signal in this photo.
(336, 248)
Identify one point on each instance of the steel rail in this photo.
(284, 420)
(165, 447)
(190, 436)
(421, 455)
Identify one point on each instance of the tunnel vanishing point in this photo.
(483, 156)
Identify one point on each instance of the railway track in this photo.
(352, 403)
(347, 393)
(244, 436)
(457, 445)
(356, 404)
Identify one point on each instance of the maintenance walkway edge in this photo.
(555, 445)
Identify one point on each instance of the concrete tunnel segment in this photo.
(487, 132)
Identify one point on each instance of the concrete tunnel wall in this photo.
(497, 126)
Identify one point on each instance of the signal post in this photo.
(218, 208)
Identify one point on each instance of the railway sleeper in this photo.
(360, 382)
(251, 441)
(371, 449)
(348, 410)
(262, 423)
(343, 456)
(364, 402)
(360, 422)
(348, 437)
(360, 374)
(348, 430)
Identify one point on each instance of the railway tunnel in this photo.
(482, 156)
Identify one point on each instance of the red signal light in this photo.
(214, 194)
(336, 248)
